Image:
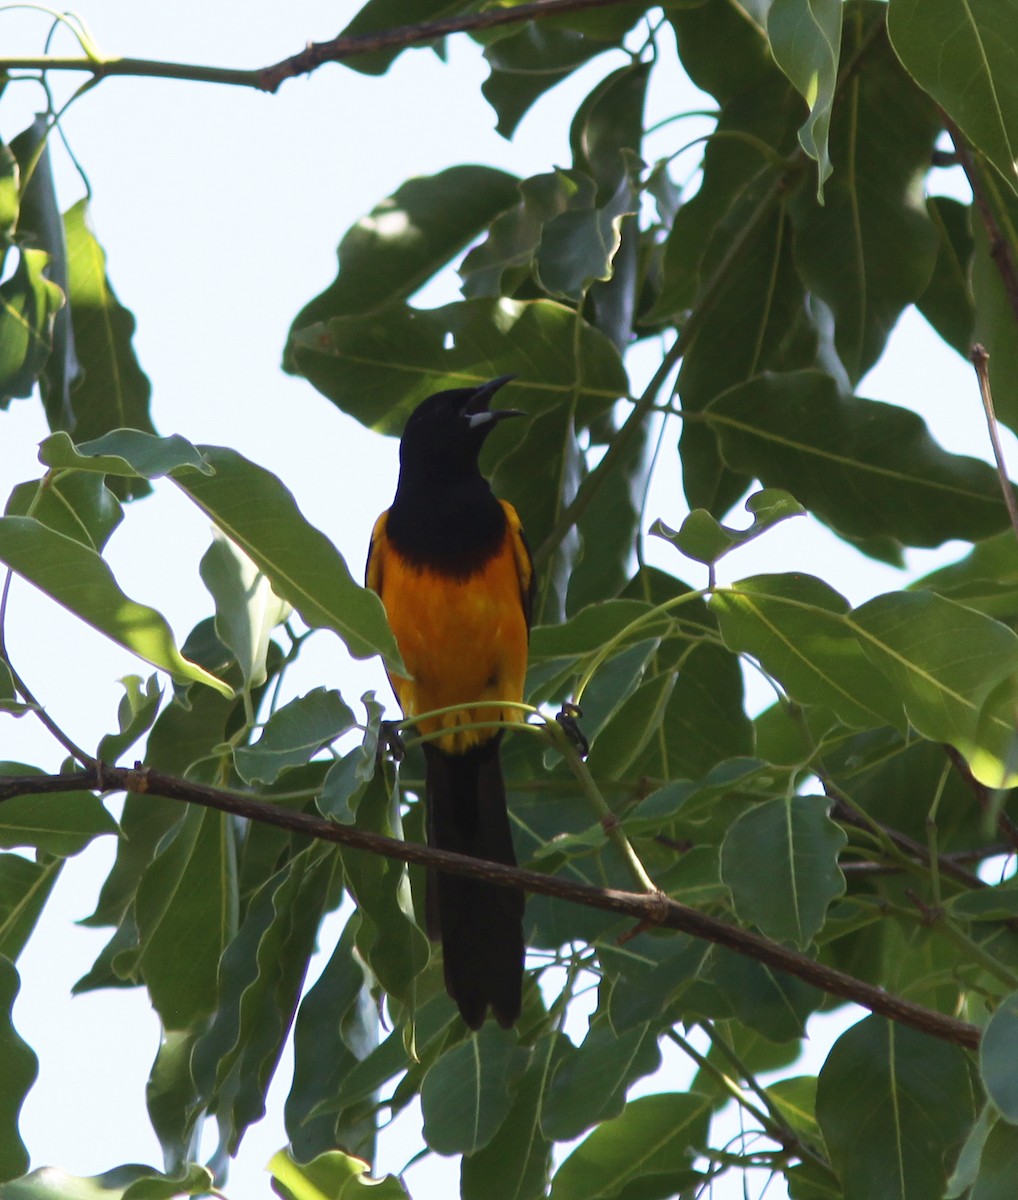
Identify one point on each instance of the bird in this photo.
(455, 576)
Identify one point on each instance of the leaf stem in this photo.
(981, 362)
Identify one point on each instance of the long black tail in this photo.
(480, 924)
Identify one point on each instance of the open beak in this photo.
(476, 409)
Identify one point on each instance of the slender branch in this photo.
(656, 909)
(1001, 252)
(314, 54)
(981, 362)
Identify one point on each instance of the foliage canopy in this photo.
(847, 822)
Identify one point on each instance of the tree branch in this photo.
(656, 909)
(315, 54)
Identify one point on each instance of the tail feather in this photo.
(479, 924)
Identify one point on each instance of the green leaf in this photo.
(780, 860)
(130, 1182)
(869, 250)
(29, 303)
(172, 1098)
(377, 15)
(135, 715)
(531, 60)
(388, 939)
(805, 37)
(464, 1095)
(409, 236)
(796, 627)
(18, 1068)
(646, 975)
(995, 316)
(866, 468)
(705, 540)
(331, 1176)
(77, 504)
(60, 823)
(260, 981)
(256, 512)
(651, 1145)
(997, 1058)
(25, 886)
(131, 453)
(9, 201)
(995, 1180)
(348, 776)
(379, 367)
(186, 910)
(947, 302)
(769, 1002)
(578, 246)
(627, 733)
(944, 663)
(112, 391)
(76, 577)
(904, 1096)
(977, 83)
(591, 1084)
(514, 1165)
(294, 734)
(335, 1031)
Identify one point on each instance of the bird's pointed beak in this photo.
(476, 409)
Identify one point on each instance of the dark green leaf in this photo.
(997, 1063)
(578, 246)
(866, 468)
(976, 84)
(379, 367)
(805, 39)
(294, 734)
(187, 913)
(403, 241)
(780, 860)
(515, 1164)
(947, 302)
(378, 15)
(646, 975)
(336, 1030)
(41, 227)
(29, 303)
(18, 1067)
(260, 982)
(464, 1095)
(995, 320)
(795, 626)
(590, 1085)
(253, 508)
(770, 1002)
(904, 1096)
(25, 886)
(388, 939)
(654, 1142)
(532, 59)
(995, 1180)
(869, 250)
(131, 453)
(172, 1099)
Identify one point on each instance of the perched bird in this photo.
(454, 573)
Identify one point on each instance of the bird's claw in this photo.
(568, 718)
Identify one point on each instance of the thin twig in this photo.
(656, 909)
(315, 54)
(981, 362)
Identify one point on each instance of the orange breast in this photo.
(464, 641)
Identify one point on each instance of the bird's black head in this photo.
(445, 433)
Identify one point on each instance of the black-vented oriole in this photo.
(451, 565)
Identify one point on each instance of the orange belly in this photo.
(464, 641)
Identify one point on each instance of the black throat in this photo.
(451, 521)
